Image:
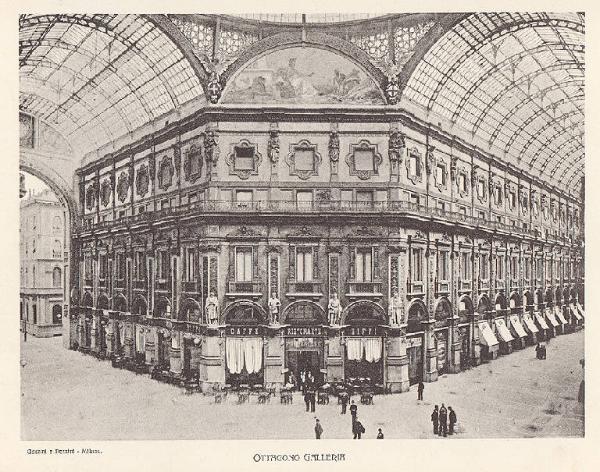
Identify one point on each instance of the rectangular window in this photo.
(440, 175)
(513, 199)
(414, 165)
(164, 204)
(121, 266)
(539, 269)
(441, 205)
(462, 182)
(498, 219)
(87, 266)
(163, 265)
(139, 265)
(243, 264)
(414, 198)
(514, 267)
(481, 214)
(499, 267)
(484, 267)
(364, 265)
(304, 199)
(122, 214)
(463, 210)
(443, 272)
(304, 160)
(304, 264)
(364, 160)
(103, 266)
(142, 209)
(417, 264)
(190, 264)
(465, 265)
(244, 158)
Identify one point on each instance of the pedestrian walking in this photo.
(435, 419)
(452, 419)
(307, 400)
(353, 411)
(380, 434)
(358, 429)
(344, 400)
(420, 389)
(443, 417)
(313, 399)
(318, 429)
(538, 351)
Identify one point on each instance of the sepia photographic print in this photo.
(301, 226)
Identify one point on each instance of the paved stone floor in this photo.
(67, 395)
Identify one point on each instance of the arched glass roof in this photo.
(308, 17)
(98, 77)
(515, 80)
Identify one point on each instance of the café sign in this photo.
(244, 331)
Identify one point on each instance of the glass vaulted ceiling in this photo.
(516, 80)
(98, 77)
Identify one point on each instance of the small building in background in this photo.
(42, 279)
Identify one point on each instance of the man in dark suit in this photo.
(420, 389)
(358, 429)
(344, 400)
(435, 419)
(452, 419)
(353, 411)
(443, 416)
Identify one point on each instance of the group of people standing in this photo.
(357, 427)
(443, 418)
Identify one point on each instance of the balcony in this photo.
(245, 289)
(312, 289)
(364, 290)
(277, 207)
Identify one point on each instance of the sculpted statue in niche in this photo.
(142, 180)
(211, 147)
(334, 309)
(123, 186)
(274, 306)
(395, 309)
(273, 145)
(212, 308)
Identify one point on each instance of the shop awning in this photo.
(559, 315)
(580, 308)
(575, 312)
(503, 331)
(540, 319)
(517, 326)
(551, 317)
(487, 335)
(530, 324)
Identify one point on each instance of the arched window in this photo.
(56, 277)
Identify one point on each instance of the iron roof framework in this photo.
(515, 80)
(99, 77)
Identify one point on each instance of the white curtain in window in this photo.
(240, 352)
(253, 348)
(304, 265)
(244, 265)
(354, 348)
(234, 353)
(373, 347)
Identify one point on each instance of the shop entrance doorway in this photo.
(304, 365)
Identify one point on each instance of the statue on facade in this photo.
(395, 309)
(274, 306)
(212, 308)
(334, 309)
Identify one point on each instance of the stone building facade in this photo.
(41, 255)
(388, 246)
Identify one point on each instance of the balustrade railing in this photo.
(319, 207)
